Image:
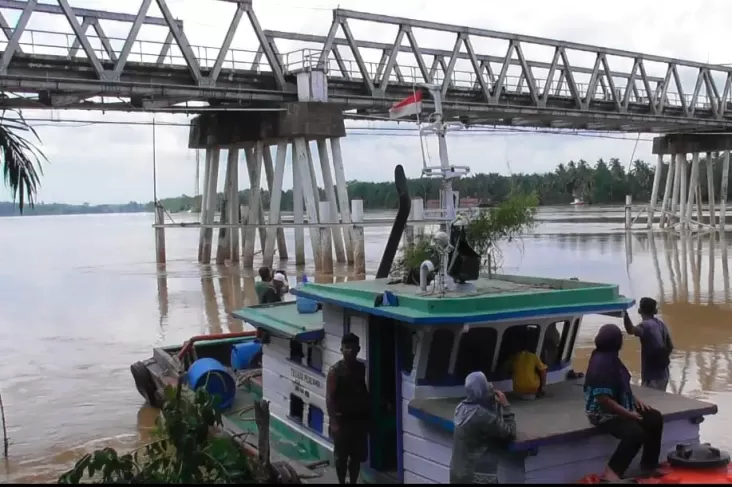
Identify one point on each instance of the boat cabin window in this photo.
(313, 353)
(297, 408)
(315, 357)
(515, 339)
(568, 345)
(296, 353)
(475, 352)
(315, 418)
(555, 338)
(438, 363)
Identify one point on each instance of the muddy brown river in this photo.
(82, 299)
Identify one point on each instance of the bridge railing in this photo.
(160, 53)
(462, 79)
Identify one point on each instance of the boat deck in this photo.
(501, 297)
(559, 416)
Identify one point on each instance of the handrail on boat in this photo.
(188, 345)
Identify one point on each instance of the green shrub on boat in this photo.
(184, 451)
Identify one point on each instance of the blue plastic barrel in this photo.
(213, 375)
(242, 354)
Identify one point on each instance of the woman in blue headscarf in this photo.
(483, 424)
(611, 406)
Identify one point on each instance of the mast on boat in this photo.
(445, 171)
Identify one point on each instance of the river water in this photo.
(82, 299)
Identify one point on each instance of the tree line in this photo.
(604, 182)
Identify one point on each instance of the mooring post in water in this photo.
(359, 246)
(628, 211)
(159, 233)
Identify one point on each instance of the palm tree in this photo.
(20, 159)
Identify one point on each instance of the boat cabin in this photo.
(418, 347)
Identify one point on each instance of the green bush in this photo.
(184, 451)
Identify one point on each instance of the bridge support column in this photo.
(667, 190)
(297, 124)
(654, 190)
(228, 248)
(208, 204)
(679, 145)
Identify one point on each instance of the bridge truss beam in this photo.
(111, 69)
(698, 99)
(603, 89)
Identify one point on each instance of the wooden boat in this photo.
(418, 349)
(418, 344)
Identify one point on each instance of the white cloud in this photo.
(113, 163)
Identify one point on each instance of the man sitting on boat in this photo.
(656, 344)
(484, 424)
(266, 292)
(347, 400)
(612, 408)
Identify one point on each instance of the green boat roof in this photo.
(283, 319)
(499, 298)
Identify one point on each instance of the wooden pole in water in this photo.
(159, 234)
(628, 211)
(359, 245)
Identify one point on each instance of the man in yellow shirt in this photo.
(528, 374)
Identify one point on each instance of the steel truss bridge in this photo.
(487, 77)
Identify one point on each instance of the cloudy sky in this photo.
(113, 163)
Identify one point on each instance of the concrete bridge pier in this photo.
(294, 127)
(682, 191)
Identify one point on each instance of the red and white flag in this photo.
(407, 107)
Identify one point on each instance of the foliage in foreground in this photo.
(505, 222)
(184, 451)
(19, 157)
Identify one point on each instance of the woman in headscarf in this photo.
(611, 406)
(483, 424)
